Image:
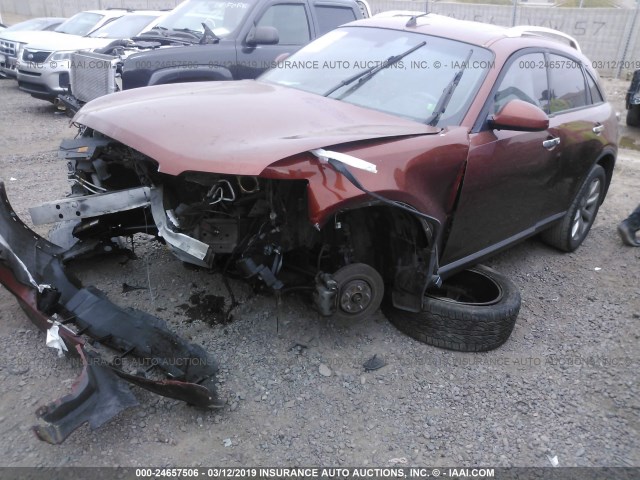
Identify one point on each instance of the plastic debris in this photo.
(597, 269)
(227, 442)
(402, 460)
(12, 179)
(374, 363)
(54, 340)
(553, 460)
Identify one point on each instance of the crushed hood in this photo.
(233, 127)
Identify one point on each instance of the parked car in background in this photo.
(203, 40)
(9, 48)
(633, 101)
(43, 67)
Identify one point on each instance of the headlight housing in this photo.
(61, 55)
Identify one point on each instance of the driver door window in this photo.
(525, 79)
(291, 22)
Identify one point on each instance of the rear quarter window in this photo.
(330, 17)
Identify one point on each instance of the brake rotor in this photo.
(360, 291)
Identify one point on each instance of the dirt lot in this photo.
(564, 385)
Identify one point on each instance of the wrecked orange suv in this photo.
(376, 166)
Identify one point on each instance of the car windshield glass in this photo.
(29, 25)
(124, 27)
(222, 17)
(80, 24)
(411, 79)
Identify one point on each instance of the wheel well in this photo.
(607, 162)
(397, 244)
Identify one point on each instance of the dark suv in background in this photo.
(204, 40)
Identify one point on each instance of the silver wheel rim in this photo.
(585, 213)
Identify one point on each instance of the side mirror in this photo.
(520, 116)
(263, 36)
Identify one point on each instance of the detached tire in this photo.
(633, 116)
(570, 232)
(474, 311)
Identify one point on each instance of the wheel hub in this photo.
(355, 296)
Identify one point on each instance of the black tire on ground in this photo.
(474, 311)
(633, 116)
(570, 232)
(360, 292)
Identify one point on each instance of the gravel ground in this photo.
(564, 385)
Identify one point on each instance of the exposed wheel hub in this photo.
(355, 296)
(359, 289)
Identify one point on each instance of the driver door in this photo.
(291, 20)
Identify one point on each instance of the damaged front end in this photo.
(280, 212)
(287, 227)
(83, 322)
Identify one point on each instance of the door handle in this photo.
(598, 129)
(551, 143)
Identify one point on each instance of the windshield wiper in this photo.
(365, 75)
(208, 33)
(447, 93)
(193, 33)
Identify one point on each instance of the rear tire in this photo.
(570, 232)
(474, 311)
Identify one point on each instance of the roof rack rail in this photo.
(521, 30)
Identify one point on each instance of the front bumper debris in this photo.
(90, 326)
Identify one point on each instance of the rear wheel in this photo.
(475, 310)
(570, 232)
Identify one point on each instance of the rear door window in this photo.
(330, 17)
(568, 89)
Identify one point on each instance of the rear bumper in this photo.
(31, 268)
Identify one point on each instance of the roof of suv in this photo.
(477, 33)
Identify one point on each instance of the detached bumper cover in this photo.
(31, 268)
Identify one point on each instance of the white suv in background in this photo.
(77, 26)
(9, 48)
(43, 66)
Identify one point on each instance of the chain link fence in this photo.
(608, 33)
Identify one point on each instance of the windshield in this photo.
(222, 17)
(398, 72)
(80, 24)
(34, 24)
(124, 27)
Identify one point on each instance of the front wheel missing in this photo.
(360, 291)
